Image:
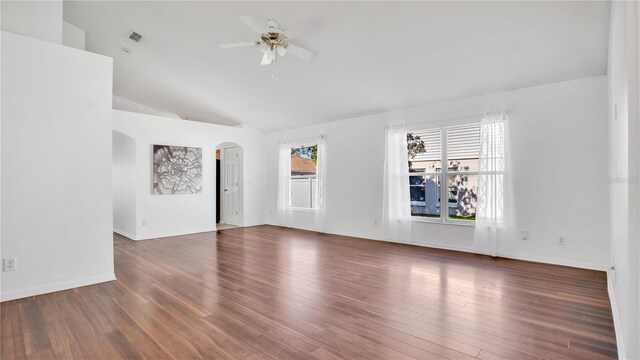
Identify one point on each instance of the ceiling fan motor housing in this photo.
(274, 39)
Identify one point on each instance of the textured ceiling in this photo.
(370, 56)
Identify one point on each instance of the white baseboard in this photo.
(554, 261)
(622, 354)
(53, 287)
(124, 233)
(163, 235)
(349, 234)
(448, 247)
(538, 259)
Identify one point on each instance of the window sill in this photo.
(443, 222)
(307, 210)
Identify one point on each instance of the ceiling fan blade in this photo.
(299, 30)
(239, 44)
(252, 24)
(266, 60)
(297, 51)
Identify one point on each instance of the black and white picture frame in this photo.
(177, 170)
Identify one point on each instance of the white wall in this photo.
(37, 19)
(558, 144)
(124, 185)
(56, 166)
(168, 215)
(624, 155)
(73, 36)
(120, 103)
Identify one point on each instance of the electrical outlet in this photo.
(144, 222)
(562, 241)
(524, 235)
(10, 264)
(375, 222)
(614, 273)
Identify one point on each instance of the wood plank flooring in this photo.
(273, 293)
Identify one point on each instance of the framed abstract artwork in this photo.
(177, 170)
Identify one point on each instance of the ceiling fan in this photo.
(274, 41)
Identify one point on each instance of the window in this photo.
(304, 179)
(425, 168)
(458, 148)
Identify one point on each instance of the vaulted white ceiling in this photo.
(370, 56)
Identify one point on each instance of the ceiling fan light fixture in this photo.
(265, 59)
(264, 47)
(273, 41)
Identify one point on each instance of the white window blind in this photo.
(463, 142)
(432, 142)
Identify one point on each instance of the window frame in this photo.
(310, 177)
(444, 175)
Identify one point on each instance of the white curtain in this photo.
(396, 219)
(490, 207)
(321, 178)
(284, 184)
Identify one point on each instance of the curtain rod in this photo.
(439, 121)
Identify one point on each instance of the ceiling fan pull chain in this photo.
(274, 76)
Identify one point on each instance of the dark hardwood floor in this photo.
(274, 293)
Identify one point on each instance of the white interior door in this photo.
(231, 204)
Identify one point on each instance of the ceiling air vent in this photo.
(135, 36)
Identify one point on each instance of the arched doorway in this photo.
(229, 186)
(124, 184)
